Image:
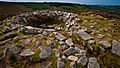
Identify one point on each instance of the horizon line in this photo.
(58, 2)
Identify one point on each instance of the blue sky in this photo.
(95, 2)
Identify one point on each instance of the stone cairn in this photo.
(70, 52)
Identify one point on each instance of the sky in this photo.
(89, 2)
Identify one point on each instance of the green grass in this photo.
(37, 6)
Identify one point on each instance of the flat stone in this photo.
(70, 51)
(27, 52)
(93, 63)
(83, 60)
(69, 42)
(105, 44)
(27, 41)
(116, 47)
(50, 30)
(72, 58)
(60, 36)
(60, 63)
(31, 30)
(84, 35)
(45, 53)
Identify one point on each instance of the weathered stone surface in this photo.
(60, 63)
(45, 53)
(27, 41)
(72, 58)
(93, 63)
(84, 35)
(73, 65)
(14, 49)
(116, 47)
(105, 44)
(31, 30)
(60, 36)
(83, 60)
(69, 42)
(27, 52)
(70, 51)
(50, 30)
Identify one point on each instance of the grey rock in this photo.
(83, 60)
(72, 58)
(27, 52)
(70, 51)
(93, 63)
(60, 63)
(84, 35)
(39, 35)
(50, 30)
(60, 36)
(69, 42)
(27, 41)
(105, 44)
(14, 49)
(31, 30)
(116, 47)
(45, 53)
(73, 65)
